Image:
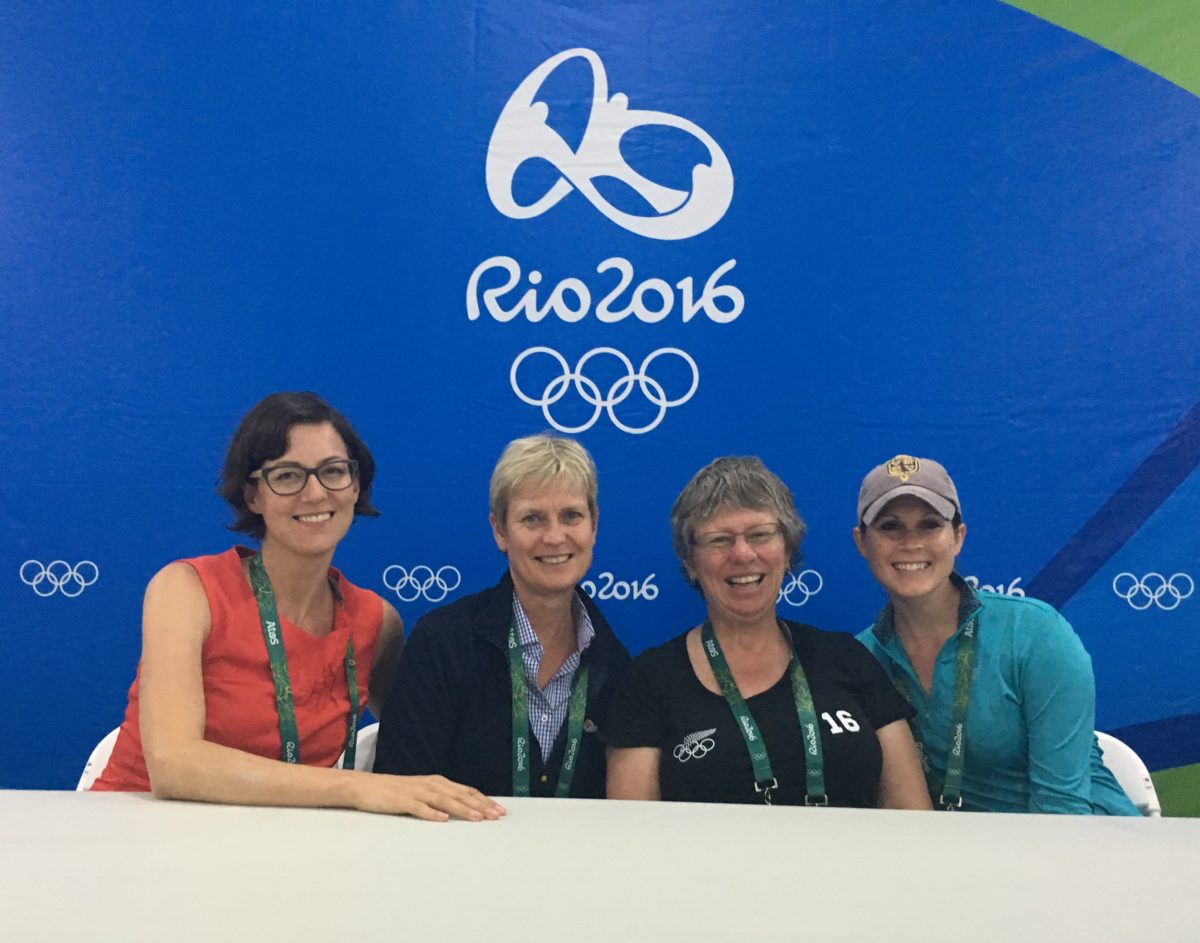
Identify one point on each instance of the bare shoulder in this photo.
(175, 602)
(175, 577)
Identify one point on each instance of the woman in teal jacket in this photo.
(1002, 685)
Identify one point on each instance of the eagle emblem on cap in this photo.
(903, 467)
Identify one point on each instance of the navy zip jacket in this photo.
(449, 709)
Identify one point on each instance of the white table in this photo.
(78, 866)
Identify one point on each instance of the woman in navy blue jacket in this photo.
(506, 690)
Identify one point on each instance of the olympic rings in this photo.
(421, 582)
(587, 389)
(1152, 588)
(58, 576)
(695, 745)
(800, 584)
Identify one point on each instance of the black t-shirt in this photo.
(661, 703)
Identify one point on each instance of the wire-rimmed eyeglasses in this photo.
(723, 541)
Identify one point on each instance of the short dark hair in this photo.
(262, 436)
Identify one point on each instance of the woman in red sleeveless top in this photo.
(256, 665)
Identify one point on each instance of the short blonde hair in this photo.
(542, 458)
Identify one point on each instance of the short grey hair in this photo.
(733, 483)
(543, 458)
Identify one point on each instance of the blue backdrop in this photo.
(820, 233)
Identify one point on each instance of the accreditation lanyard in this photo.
(950, 792)
(268, 615)
(576, 708)
(765, 781)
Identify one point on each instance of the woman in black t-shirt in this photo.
(746, 707)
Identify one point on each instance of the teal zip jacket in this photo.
(1031, 746)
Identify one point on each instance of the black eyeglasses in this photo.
(337, 474)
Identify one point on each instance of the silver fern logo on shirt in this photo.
(695, 746)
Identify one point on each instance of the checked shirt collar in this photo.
(548, 706)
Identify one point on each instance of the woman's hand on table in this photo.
(433, 798)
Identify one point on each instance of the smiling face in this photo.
(910, 548)
(314, 520)
(740, 582)
(548, 534)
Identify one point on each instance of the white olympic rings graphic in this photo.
(557, 388)
(59, 576)
(695, 746)
(1153, 589)
(421, 582)
(799, 583)
(522, 133)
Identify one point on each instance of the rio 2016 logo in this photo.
(1012, 589)
(499, 286)
(608, 587)
(522, 134)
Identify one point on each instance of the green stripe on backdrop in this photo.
(1178, 790)
(1160, 35)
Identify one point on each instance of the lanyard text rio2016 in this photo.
(949, 796)
(268, 615)
(814, 760)
(576, 708)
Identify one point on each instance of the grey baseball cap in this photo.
(921, 477)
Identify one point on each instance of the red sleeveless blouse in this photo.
(239, 696)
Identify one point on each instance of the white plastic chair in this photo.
(98, 760)
(1130, 773)
(364, 749)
